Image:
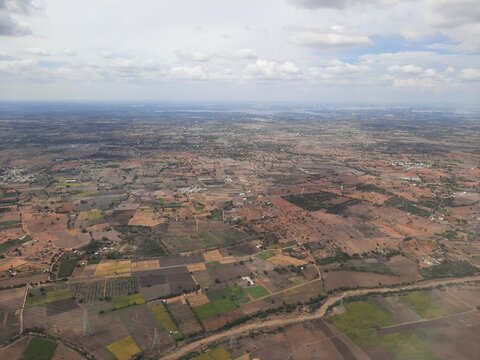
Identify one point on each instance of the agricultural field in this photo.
(148, 229)
(10, 303)
(423, 303)
(119, 302)
(49, 294)
(66, 267)
(164, 318)
(124, 349)
(88, 290)
(121, 286)
(218, 353)
(256, 291)
(184, 318)
(405, 326)
(39, 348)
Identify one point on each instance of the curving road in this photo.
(321, 312)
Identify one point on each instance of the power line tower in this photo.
(156, 339)
(86, 323)
(233, 343)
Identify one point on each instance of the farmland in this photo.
(146, 230)
(48, 295)
(124, 349)
(120, 302)
(39, 348)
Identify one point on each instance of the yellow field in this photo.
(196, 267)
(245, 356)
(144, 217)
(179, 298)
(285, 260)
(227, 260)
(124, 349)
(197, 299)
(146, 265)
(111, 268)
(213, 255)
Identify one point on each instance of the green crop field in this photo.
(163, 316)
(218, 353)
(264, 255)
(66, 267)
(256, 291)
(214, 308)
(10, 224)
(360, 323)
(51, 294)
(95, 214)
(120, 302)
(39, 348)
(236, 294)
(423, 304)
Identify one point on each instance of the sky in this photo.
(323, 51)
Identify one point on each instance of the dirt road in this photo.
(321, 312)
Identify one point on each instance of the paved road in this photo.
(321, 312)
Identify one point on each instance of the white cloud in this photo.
(106, 54)
(36, 52)
(25, 7)
(248, 54)
(269, 69)
(69, 52)
(453, 13)
(337, 70)
(470, 74)
(339, 4)
(193, 55)
(9, 26)
(6, 56)
(317, 39)
(407, 69)
(9, 9)
(417, 83)
(188, 72)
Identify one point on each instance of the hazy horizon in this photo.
(417, 52)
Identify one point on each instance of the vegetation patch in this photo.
(338, 256)
(10, 224)
(162, 204)
(423, 304)
(124, 349)
(449, 269)
(310, 202)
(10, 244)
(257, 291)
(236, 294)
(264, 255)
(341, 208)
(67, 265)
(95, 214)
(218, 353)
(371, 267)
(407, 206)
(121, 302)
(371, 188)
(39, 348)
(163, 316)
(214, 308)
(361, 321)
(48, 295)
